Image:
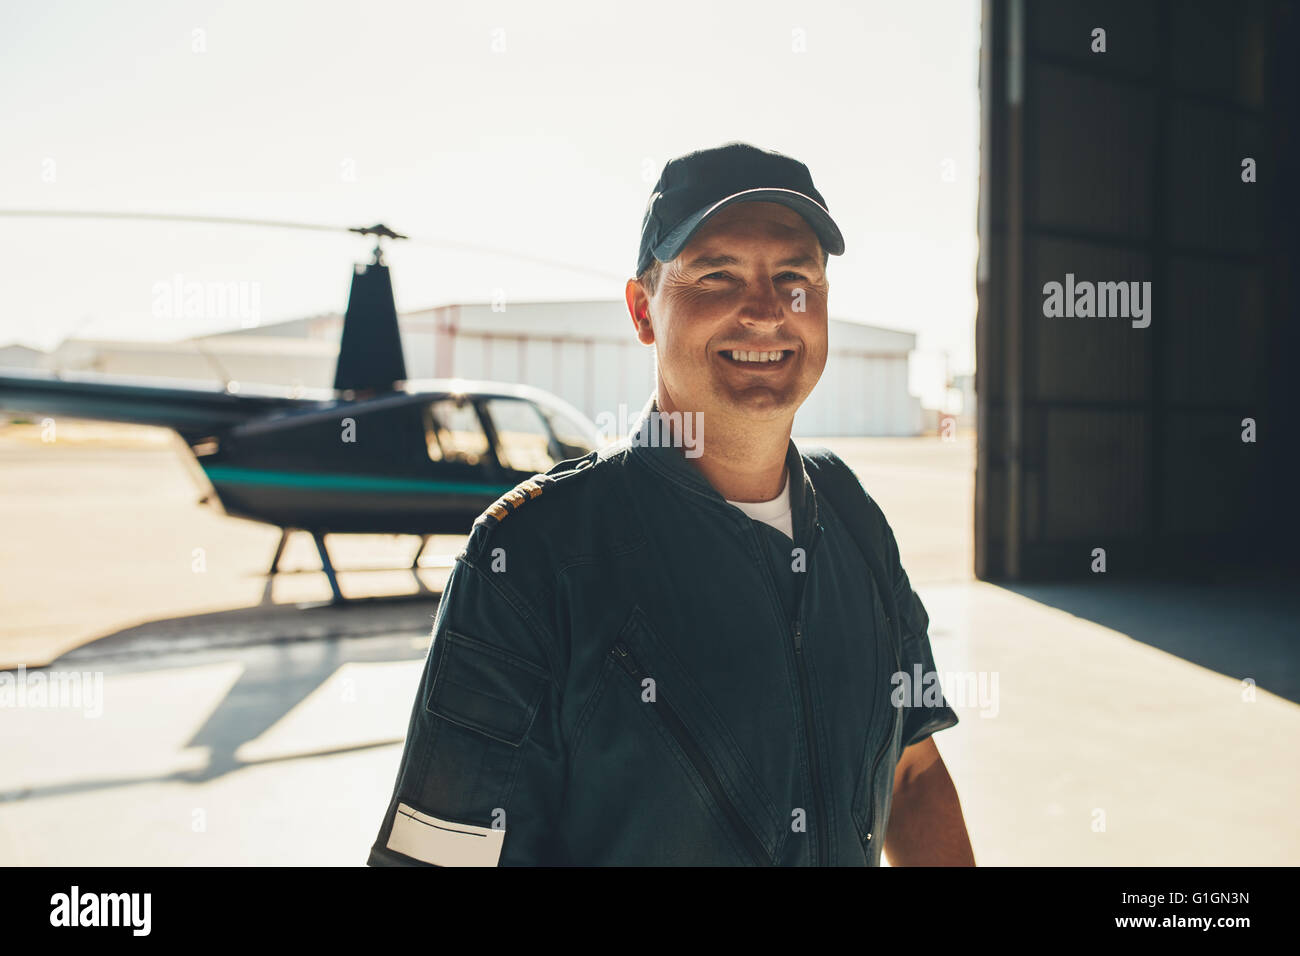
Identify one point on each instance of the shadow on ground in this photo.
(286, 653)
(1240, 629)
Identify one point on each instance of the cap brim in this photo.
(816, 215)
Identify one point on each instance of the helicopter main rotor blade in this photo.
(166, 217)
(449, 244)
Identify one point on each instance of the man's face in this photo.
(749, 283)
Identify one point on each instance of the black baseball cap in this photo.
(693, 187)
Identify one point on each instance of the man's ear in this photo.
(638, 307)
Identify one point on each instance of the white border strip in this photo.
(443, 842)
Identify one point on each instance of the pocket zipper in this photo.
(677, 728)
(889, 737)
(871, 782)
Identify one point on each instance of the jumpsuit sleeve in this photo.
(935, 714)
(481, 777)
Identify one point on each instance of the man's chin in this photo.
(759, 401)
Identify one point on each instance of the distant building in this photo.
(584, 352)
(241, 358)
(20, 356)
(964, 386)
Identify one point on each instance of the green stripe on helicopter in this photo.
(229, 474)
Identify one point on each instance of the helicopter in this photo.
(375, 454)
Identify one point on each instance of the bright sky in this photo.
(532, 127)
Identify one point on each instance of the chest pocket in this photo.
(875, 779)
(643, 683)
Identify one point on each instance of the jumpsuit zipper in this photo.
(753, 846)
(819, 802)
(822, 854)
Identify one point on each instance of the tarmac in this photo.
(228, 719)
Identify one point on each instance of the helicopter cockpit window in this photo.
(575, 441)
(453, 433)
(524, 438)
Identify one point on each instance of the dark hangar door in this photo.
(1118, 166)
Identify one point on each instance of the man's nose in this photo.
(764, 304)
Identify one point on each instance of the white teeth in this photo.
(740, 356)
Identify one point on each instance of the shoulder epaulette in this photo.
(513, 499)
(529, 489)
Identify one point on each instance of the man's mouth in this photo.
(757, 359)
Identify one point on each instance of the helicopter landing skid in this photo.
(331, 573)
(328, 567)
(279, 552)
(424, 543)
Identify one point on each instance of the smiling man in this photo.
(646, 657)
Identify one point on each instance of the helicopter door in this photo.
(523, 438)
(573, 438)
(454, 439)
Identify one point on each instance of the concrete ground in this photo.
(1116, 726)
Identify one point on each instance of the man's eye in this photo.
(794, 275)
(716, 275)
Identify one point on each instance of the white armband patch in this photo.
(443, 843)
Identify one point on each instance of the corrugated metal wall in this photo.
(1125, 166)
(860, 393)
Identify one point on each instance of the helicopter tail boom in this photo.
(192, 410)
